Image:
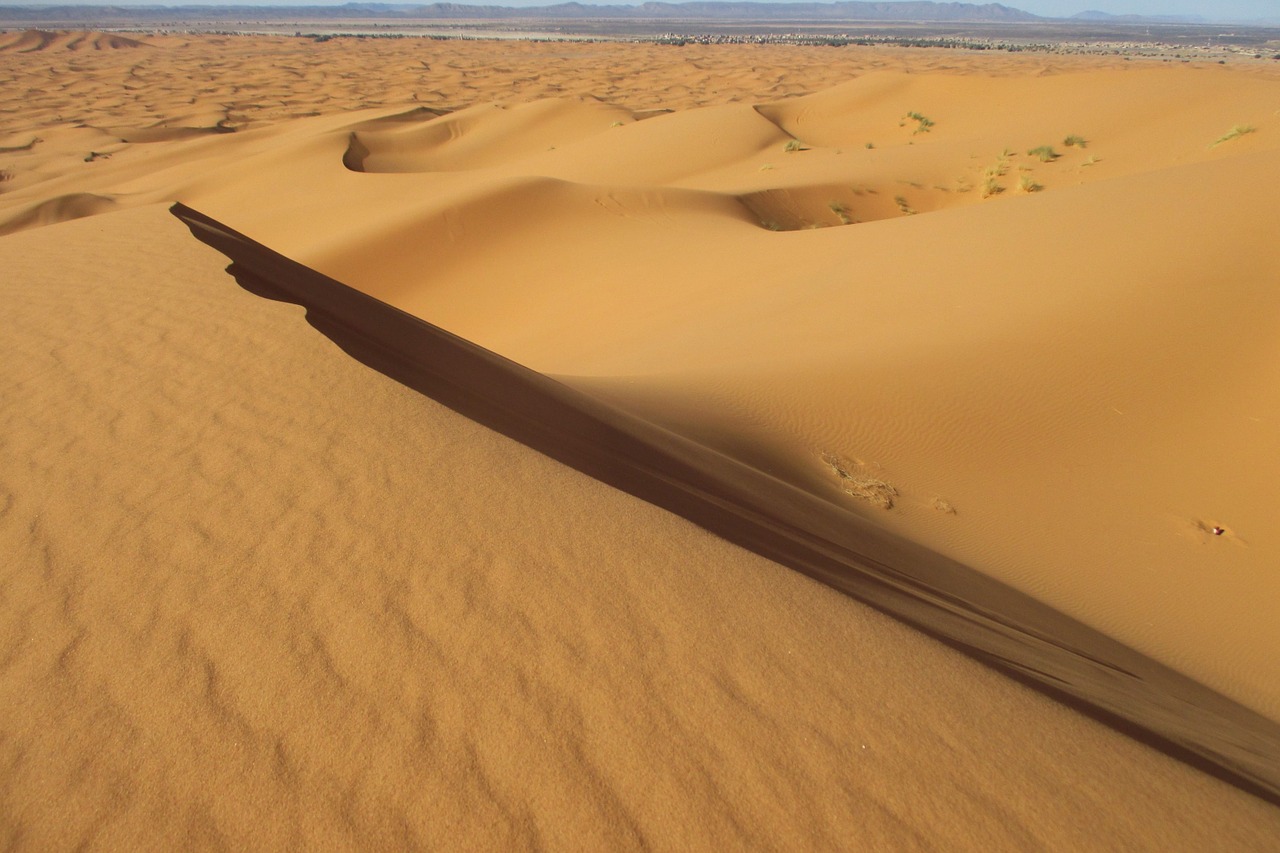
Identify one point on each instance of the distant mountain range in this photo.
(922, 11)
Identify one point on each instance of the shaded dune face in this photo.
(59, 209)
(480, 136)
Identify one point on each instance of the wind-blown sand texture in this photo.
(270, 597)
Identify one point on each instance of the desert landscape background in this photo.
(266, 596)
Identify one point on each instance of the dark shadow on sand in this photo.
(993, 623)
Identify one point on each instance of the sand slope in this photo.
(1021, 358)
(265, 597)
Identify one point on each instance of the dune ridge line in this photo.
(994, 623)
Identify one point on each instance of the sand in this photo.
(271, 598)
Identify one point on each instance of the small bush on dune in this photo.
(1076, 142)
(793, 145)
(1027, 185)
(1045, 153)
(923, 123)
(1235, 133)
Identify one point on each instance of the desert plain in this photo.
(1018, 310)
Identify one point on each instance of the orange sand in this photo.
(268, 597)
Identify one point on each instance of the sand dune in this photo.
(1077, 300)
(31, 41)
(239, 83)
(882, 281)
(771, 517)
(264, 597)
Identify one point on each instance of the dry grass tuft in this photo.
(1234, 133)
(1045, 153)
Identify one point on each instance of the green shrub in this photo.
(923, 123)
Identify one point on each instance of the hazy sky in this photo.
(1218, 10)
(1211, 9)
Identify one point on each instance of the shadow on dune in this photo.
(986, 619)
(59, 209)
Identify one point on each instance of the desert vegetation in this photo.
(923, 122)
(1234, 133)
